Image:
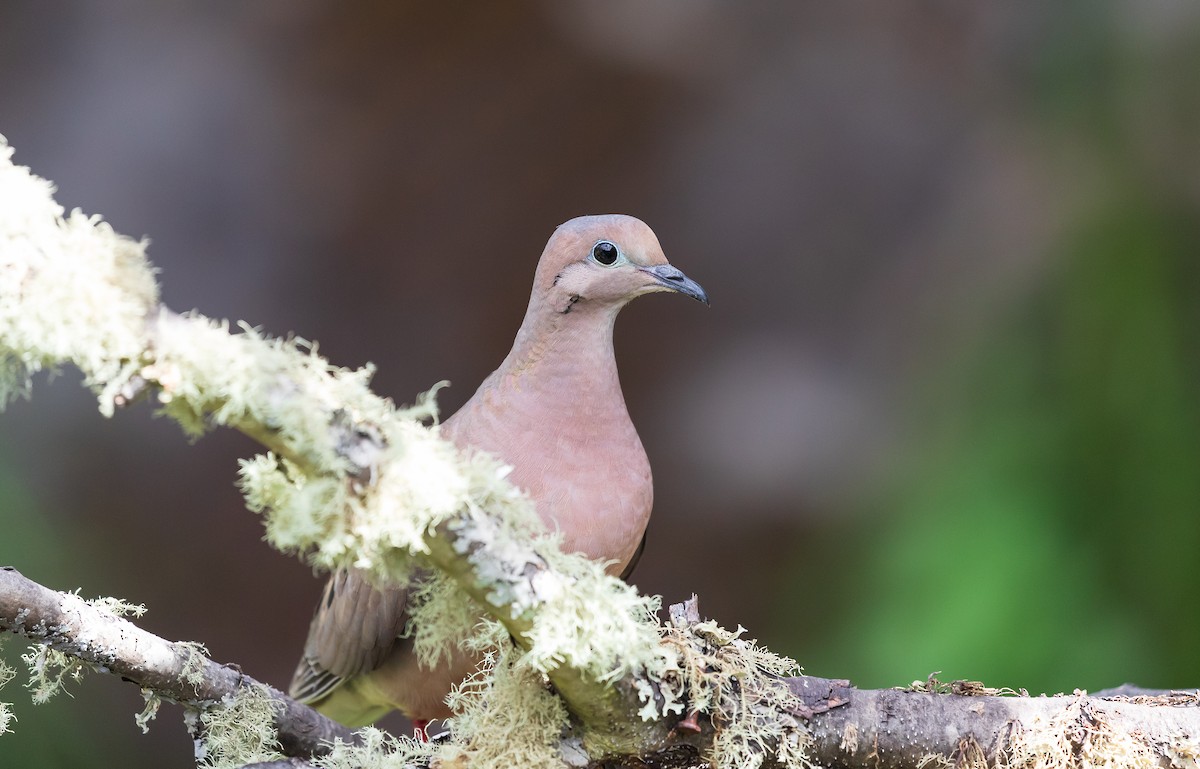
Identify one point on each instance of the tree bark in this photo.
(898, 728)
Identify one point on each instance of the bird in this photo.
(554, 412)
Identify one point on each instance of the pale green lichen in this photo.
(49, 670)
(208, 375)
(580, 616)
(6, 715)
(71, 289)
(506, 716)
(194, 665)
(377, 750)
(303, 509)
(742, 688)
(420, 481)
(149, 713)
(595, 623)
(443, 619)
(116, 606)
(238, 730)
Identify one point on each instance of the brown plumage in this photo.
(554, 411)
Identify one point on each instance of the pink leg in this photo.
(420, 726)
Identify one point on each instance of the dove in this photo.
(554, 412)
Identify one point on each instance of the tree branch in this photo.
(896, 728)
(959, 724)
(177, 672)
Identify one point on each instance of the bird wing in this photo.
(354, 628)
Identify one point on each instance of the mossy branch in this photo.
(960, 724)
(177, 672)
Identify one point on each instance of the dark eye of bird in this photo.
(605, 253)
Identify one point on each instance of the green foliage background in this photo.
(1042, 529)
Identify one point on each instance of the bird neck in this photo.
(565, 356)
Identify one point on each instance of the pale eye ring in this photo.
(605, 253)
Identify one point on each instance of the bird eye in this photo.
(605, 253)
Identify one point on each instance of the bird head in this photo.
(603, 262)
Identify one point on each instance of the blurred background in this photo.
(942, 415)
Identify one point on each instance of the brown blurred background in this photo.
(942, 414)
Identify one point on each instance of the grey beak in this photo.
(675, 280)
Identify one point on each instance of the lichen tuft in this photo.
(193, 666)
(506, 715)
(742, 688)
(443, 619)
(377, 750)
(149, 713)
(49, 670)
(117, 607)
(71, 289)
(6, 715)
(594, 622)
(238, 730)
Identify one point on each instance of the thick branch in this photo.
(69, 624)
(893, 728)
(888, 728)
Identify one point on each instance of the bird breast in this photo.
(574, 450)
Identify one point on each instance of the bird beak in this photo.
(674, 280)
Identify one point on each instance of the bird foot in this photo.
(421, 729)
(689, 724)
